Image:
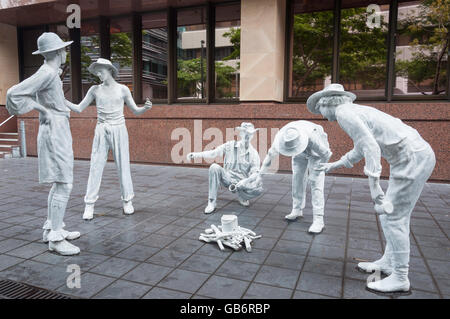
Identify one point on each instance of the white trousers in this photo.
(406, 181)
(114, 137)
(219, 176)
(302, 172)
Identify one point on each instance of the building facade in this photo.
(209, 65)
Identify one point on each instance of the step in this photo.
(8, 140)
(6, 148)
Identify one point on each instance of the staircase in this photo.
(7, 142)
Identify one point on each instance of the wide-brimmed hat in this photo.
(103, 63)
(290, 141)
(48, 42)
(332, 89)
(247, 128)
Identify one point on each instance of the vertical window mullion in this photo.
(137, 57)
(172, 55)
(336, 40)
(287, 49)
(105, 43)
(75, 64)
(210, 46)
(393, 9)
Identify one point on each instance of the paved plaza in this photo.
(155, 253)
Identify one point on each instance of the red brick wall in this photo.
(11, 125)
(150, 134)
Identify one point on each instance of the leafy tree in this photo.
(363, 50)
(121, 48)
(312, 49)
(189, 77)
(234, 35)
(428, 32)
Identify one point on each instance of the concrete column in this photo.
(9, 59)
(262, 50)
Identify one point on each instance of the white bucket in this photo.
(229, 223)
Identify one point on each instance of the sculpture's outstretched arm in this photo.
(88, 99)
(129, 101)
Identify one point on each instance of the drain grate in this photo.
(15, 290)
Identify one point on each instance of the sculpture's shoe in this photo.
(378, 265)
(128, 208)
(294, 214)
(88, 212)
(317, 225)
(210, 208)
(244, 202)
(392, 283)
(63, 247)
(69, 235)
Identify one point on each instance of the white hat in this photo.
(289, 141)
(48, 42)
(104, 63)
(247, 128)
(332, 89)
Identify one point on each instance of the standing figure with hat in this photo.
(110, 133)
(307, 144)
(43, 92)
(240, 171)
(411, 159)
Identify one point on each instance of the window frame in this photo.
(390, 61)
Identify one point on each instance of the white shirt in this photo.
(374, 134)
(239, 162)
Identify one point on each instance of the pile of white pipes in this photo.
(229, 234)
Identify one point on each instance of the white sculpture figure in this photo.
(307, 144)
(229, 234)
(110, 133)
(240, 170)
(411, 161)
(43, 92)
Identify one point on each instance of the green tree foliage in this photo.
(121, 48)
(312, 48)
(363, 50)
(428, 32)
(189, 71)
(234, 35)
(189, 76)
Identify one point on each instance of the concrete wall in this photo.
(151, 134)
(262, 50)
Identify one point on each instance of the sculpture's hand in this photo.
(191, 156)
(46, 117)
(148, 104)
(240, 184)
(327, 167)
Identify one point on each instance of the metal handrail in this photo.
(7, 120)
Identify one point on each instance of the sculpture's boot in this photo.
(317, 225)
(69, 235)
(243, 202)
(128, 208)
(384, 264)
(295, 213)
(211, 206)
(57, 235)
(397, 281)
(63, 247)
(88, 212)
